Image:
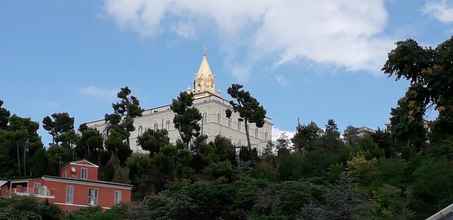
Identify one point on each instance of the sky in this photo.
(306, 60)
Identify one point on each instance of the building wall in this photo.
(214, 123)
(58, 189)
(66, 171)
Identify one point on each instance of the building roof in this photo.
(204, 70)
(3, 182)
(84, 163)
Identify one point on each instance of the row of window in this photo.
(83, 172)
(205, 120)
(93, 195)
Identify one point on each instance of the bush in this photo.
(28, 208)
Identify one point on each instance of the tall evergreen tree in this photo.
(19, 144)
(90, 144)
(186, 117)
(61, 127)
(249, 109)
(120, 124)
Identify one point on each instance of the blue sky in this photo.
(312, 60)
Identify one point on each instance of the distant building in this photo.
(211, 105)
(76, 187)
(364, 131)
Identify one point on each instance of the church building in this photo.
(212, 106)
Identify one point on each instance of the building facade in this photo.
(211, 105)
(76, 187)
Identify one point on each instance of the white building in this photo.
(212, 106)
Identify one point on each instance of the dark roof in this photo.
(89, 181)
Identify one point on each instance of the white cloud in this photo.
(344, 33)
(277, 133)
(185, 30)
(440, 9)
(100, 93)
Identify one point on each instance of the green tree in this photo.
(61, 127)
(351, 135)
(306, 136)
(429, 71)
(224, 150)
(407, 124)
(249, 109)
(20, 142)
(120, 124)
(186, 117)
(331, 137)
(4, 116)
(282, 145)
(90, 144)
(153, 140)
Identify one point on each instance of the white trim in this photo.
(69, 204)
(87, 165)
(93, 184)
(77, 205)
(20, 181)
(43, 196)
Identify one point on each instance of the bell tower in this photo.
(204, 82)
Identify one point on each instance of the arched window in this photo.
(229, 122)
(140, 130)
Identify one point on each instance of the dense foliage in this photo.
(403, 171)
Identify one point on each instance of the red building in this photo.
(76, 187)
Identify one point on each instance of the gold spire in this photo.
(204, 80)
(205, 69)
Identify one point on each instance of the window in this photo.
(156, 126)
(239, 124)
(92, 197)
(83, 173)
(205, 117)
(256, 132)
(117, 197)
(265, 136)
(219, 117)
(167, 125)
(140, 130)
(70, 194)
(36, 188)
(229, 122)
